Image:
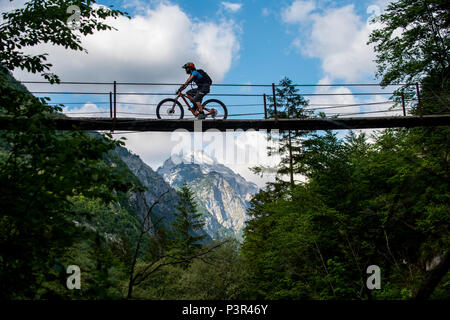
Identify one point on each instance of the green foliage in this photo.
(279, 244)
(412, 47)
(101, 274)
(413, 41)
(290, 104)
(66, 196)
(384, 203)
(187, 223)
(46, 22)
(287, 144)
(43, 170)
(219, 276)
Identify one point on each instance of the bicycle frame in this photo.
(183, 96)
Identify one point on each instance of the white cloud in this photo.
(382, 3)
(150, 47)
(7, 6)
(298, 11)
(348, 104)
(337, 36)
(326, 100)
(238, 150)
(233, 7)
(216, 46)
(339, 39)
(87, 110)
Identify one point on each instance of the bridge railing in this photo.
(244, 101)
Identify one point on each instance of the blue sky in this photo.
(244, 42)
(271, 45)
(266, 50)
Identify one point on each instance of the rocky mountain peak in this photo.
(223, 195)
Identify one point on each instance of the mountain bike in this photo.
(171, 108)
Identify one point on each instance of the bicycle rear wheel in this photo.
(219, 106)
(169, 109)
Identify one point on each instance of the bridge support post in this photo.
(418, 100)
(265, 106)
(115, 105)
(403, 104)
(110, 105)
(274, 102)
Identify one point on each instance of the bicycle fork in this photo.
(172, 110)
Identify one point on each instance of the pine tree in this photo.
(187, 223)
(288, 143)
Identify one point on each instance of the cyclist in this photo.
(203, 82)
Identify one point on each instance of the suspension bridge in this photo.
(331, 106)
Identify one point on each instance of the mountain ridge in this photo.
(217, 189)
(155, 186)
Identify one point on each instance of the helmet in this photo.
(189, 65)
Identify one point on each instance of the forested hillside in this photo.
(366, 202)
(383, 203)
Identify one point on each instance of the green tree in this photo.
(413, 46)
(42, 169)
(219, 276)
(187, 224)
(47, 22)
(384, 203)
(287, 245)
(166, 250)
(287, 143)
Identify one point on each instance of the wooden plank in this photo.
(140, 124)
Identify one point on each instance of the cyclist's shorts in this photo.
(198, 93)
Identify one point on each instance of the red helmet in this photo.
(189, 65)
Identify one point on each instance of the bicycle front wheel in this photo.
(219, 106)
(169, 109)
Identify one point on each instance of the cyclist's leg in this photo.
(191, 96)
(210, 111)
(198, 100)
(202, 92)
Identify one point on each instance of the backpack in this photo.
(206, 77)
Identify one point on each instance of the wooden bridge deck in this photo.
(141, 124)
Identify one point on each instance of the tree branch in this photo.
(433, 279)
(177, 260)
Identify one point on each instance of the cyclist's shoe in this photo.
(201, 116)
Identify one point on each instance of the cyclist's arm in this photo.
(184, 86)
